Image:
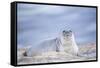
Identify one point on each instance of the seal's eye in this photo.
(64, 31)
(70, 31)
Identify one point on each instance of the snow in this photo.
(86, 52)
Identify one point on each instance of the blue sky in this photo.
(39, 22)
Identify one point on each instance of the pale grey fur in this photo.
(64, 43)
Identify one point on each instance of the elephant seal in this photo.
(64, 43)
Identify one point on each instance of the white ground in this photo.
(87, 52)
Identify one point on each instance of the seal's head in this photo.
(67, 34)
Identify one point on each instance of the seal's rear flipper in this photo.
(25, 53)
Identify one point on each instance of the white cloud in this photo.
(39, 17)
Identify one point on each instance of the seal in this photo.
(64, 43)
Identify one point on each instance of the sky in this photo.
(37, 23)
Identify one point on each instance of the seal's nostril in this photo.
(67, 35)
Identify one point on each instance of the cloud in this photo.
(38, 22)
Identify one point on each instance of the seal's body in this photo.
(64, 43)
